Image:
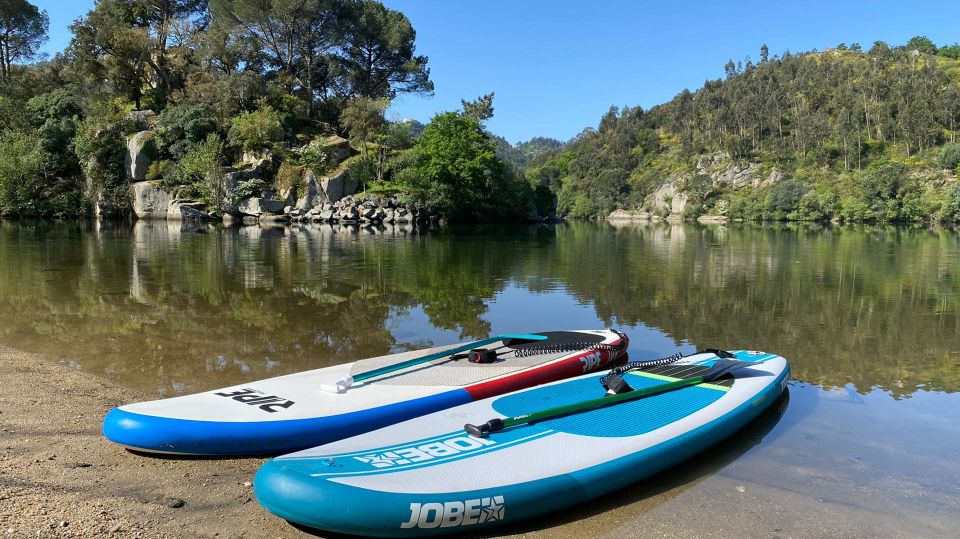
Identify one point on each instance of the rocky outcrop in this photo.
(336, 148)
(322, 190)
(150, 201)
(141, 151)
(187, 210)
(727, 172)
(362, 210)
(628, 215)
(258, 206)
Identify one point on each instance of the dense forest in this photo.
(853, 134)
(213, 81)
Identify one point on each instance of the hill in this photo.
(842, 134)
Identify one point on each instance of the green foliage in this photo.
(181, 128)
(362, 118)
(784, 197)
(201, 170)
(24, 30)
(313, 156)
(481, 108)
(101, 145)
(950, 156)
(454, 170)
(288, 175)
(257, 130)
(363, 170)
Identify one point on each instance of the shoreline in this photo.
(60, 478)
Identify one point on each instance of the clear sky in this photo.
(557, 65)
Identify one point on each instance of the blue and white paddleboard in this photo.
(427, 476)
(299, 410)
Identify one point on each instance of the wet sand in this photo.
(60, 478)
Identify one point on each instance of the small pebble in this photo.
(741, 488)
(175, 503)
(247, 484)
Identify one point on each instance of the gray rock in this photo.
(325, 215)
(249, 220)
(368, 212)
(149, 201)
(628, 215)
(288, 209)
(379, 214)
(271, 218)
(336, 148)
(141, 150)
(679, 204)
(349, 214)
(259, 206)
(187, 210)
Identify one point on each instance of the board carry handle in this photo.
(719, 369)
(343, 384)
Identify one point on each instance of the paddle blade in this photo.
(725, 366)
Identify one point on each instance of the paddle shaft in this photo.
(566, 409)
(440, 355)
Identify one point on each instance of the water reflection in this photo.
(172, 307)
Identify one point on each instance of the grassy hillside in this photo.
(849, 134)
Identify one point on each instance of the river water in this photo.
(866, 442)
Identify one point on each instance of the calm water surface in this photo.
(867, 440)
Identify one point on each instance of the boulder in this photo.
(272, 218)
(259, 206)
(187, 210)
(336, 149)
(379, 214)
(629, 215)
(325, 215)
(232, 179)
(149, 201)
(678, 204)
(141, 151)
(659, 198)
(368, 212)
(348, 214)
(321, 190)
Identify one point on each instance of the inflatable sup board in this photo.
(315, 407)
(428, 476)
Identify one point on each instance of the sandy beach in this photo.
(60, 478)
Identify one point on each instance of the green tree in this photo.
(138, 45)
(454, 170)
(363, 118)
(377, 53)
(257, 130)
(23, 28)
(480, 108)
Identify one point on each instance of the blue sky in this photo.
(557, 65)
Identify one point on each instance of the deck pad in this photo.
(291, 412)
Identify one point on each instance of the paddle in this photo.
(343, 384)
(720, 368)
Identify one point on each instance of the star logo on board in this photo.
(493, 509)
(382, 460)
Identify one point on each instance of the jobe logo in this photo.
(252, 397)
(591, 361)
(424, 452)
(451, 514)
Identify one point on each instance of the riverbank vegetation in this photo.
(201, 84)
(849, 134)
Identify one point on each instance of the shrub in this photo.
(181, 128)
(313, 156)
(288, 175)
(950, 156)
(784, 197)
(257, 130)
(201, 170)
